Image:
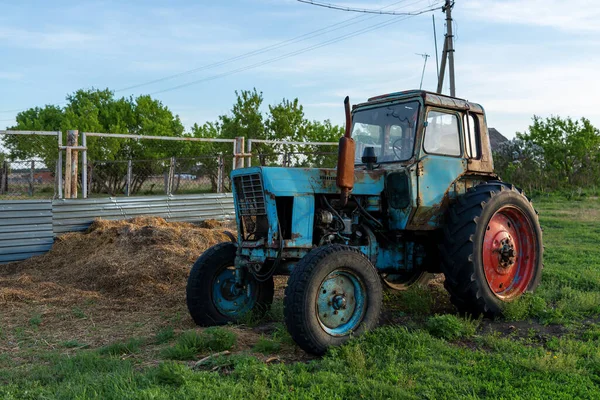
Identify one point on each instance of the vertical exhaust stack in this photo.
(346, 154)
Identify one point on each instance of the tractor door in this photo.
(477, 143)
(441, 162)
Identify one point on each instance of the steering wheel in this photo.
(397, 148)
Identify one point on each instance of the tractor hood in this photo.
(280, 181)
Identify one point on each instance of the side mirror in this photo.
(368, 157)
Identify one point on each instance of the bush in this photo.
(450, 327)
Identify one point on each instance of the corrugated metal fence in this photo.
(28, 227)
(25, 229)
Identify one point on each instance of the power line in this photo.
(285, 43)
(351, 9)
(297, 39)
(303, 37)
(297, 52)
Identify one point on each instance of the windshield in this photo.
(389, 129)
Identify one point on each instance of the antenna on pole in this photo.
(437, 61)
(425, 56)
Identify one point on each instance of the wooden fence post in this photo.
(238, 152)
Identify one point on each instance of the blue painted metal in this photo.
(279, 181)
(434, 183)
(228, 298)
(302, 222)
(341, 303)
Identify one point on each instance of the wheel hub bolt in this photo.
(339, 302)
(507, 253)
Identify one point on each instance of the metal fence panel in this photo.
(25, 229)
(76, 215)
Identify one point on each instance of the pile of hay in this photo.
(144, 260)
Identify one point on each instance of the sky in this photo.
(516, 58)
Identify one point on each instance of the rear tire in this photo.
(492, 250)
(333, 293)
(209, 300)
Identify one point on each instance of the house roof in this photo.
(496, 138)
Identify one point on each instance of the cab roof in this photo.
(429, 98)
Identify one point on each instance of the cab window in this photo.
(472, 145)
(442, 134)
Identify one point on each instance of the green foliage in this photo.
(191, 343)
(131, 346)
(554, 153)
(266, 346)
(164, 335)
(35, 320)
(450, 327)
(99, 111)
(170, 373)
(528, 306)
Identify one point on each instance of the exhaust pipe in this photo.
(346, 154)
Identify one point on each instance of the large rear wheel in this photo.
(333, 293)
(214, 298)
(492, 248)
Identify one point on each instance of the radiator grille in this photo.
(250, 195)
(251, 206)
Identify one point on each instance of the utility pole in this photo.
(448, 51)
(425, 56)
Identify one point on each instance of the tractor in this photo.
(422, 198)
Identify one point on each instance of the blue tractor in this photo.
(421, 198)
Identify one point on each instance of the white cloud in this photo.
(572, 15)
(53, 39)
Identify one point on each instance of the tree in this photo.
(570, 148)
(99, 111)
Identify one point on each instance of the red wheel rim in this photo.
(509, 253)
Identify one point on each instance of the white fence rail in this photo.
(68, 177)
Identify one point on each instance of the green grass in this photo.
(267, 346)
(192, 343)
(451, 327)
(547, 347)
(164, 335)
(131, 346)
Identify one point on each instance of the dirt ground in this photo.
(116, 281)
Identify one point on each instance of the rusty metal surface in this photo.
(429, 98)
(345, 171)
(25, 229)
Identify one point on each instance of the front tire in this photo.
(333, 293)
(492, 250)
(211, 295)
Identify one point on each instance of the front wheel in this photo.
(214, 298)
(492, 248)
(333, 293)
